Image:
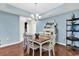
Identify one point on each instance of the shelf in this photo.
(75, 47)
(49, 23)
(71, 24)
(73, 19)
(72, 47)
(72, 38)
(47, 27)
(48, 31)
(72, 30)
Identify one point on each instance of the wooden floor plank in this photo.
(60, 50)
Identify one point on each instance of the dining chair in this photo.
(32, 45)
(49, 45)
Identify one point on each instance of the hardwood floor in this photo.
(60, 50)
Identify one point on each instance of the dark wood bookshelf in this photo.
(72, 37)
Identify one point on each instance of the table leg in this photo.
(40, 50)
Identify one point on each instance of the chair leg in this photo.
(40, 50)
(33, 52)
(28, 51)
(53, 51)
(49, 53)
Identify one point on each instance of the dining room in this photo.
(47, 37)
(39, 29)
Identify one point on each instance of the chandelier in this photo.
(35, 16)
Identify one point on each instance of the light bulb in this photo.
(39, 17)
(32, 15)
(37, 14)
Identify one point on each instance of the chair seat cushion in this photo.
(46, 46)
(36, 46)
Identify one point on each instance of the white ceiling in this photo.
(40, 7)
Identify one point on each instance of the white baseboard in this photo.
(5, 45)
(61, 43)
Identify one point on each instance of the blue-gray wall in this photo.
(9, 28)
(61, 25)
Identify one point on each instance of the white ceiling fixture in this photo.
(35, 14)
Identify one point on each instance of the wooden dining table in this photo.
(41, 40)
